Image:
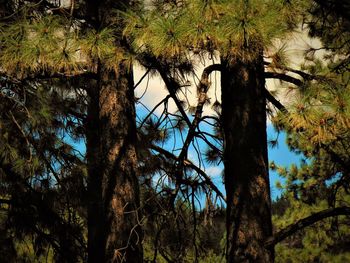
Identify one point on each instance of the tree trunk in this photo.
(114, 232)
(245, 158)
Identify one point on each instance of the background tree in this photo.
(42, 175)
(318, 128)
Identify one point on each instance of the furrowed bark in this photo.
(114, 231)
(113, 209)
(245, 158)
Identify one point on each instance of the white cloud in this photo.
(214, 171)
(153, 90)
(295, 46)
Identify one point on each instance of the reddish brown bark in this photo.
(114, 232)
(245, 159)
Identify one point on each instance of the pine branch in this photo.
(41, 206)
(335, 157)
(284, 77)
(302, 223)
(154, 109)
(189, 164)
(172, 86)
(58, 75)
(202, 97)
(274, 101)
(199, 135)
(48, 75)
(340, 8)
(142, 78)
(304, 75)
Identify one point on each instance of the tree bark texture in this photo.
(114, 232)
(245, 159)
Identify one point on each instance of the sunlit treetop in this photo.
(51, 43)
(236, 28)
(54, 44)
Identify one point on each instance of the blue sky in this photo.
(280, 154)
(152, 90)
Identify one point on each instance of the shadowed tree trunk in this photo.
(245, 159)
(114, 233)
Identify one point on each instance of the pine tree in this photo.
(89, 46)
(237, 32)
(42, 176)
(83, 42)
(318, 129)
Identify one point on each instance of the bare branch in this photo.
(202, 97)
(189, 164)
(142, 78)
(153, 110)
(303, 74)
(172, 86)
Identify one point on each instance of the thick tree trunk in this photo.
(114, 233)
(245, 159)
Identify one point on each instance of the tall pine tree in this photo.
(83, 41)
(238, 32)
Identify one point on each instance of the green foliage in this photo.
(27, 252)
(237, 28)
(42, 44)
(181, 234)
(318, 128)
(43, 177)
(325, 241)
(53, 44)
(329, 21)
(317, 125)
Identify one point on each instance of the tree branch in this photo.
(303, 74)
(274, 101)
(202, 97)
(170, 83)
(142, 78)
(284, 77)
(172, 86)
(189, 164)
(153, 110)
(302, 223)
(47, 75)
